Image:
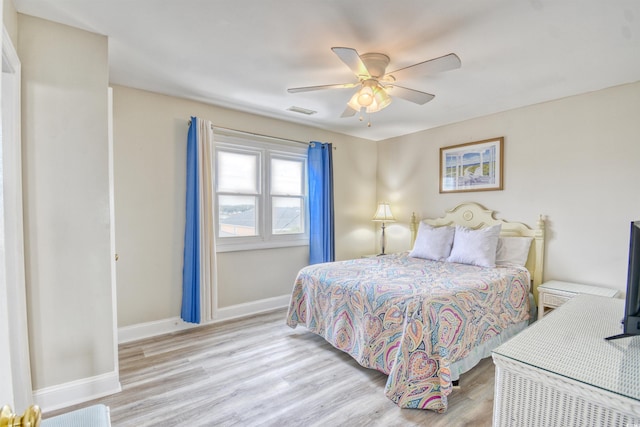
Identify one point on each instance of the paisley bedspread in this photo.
(409, 318)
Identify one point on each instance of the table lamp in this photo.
(383, 214)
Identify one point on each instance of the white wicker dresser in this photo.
(561, 372)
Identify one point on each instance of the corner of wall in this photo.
(74, 392)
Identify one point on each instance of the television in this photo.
(631, 320)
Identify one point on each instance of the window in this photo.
(261, 194)
(238, 192)
(287, 195)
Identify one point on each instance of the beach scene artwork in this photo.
(475, 166)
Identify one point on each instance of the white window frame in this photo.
(266, 151)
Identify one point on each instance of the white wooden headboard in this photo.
(473, 215)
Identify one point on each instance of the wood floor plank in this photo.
(259, 372)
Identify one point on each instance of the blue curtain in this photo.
(191, 268)
(321, 222)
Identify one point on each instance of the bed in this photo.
(423, 322)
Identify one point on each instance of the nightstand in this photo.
(554, 293)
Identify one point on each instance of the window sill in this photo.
(256, 246)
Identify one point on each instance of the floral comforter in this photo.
(409, 318)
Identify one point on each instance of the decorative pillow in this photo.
(513, 250)
(433, 242)
(475, 247)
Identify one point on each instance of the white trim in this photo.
(252, 246)
(165, 326)
(79, 391)
(250, 308)
(13, 224)
(141, 331)
(112, 234)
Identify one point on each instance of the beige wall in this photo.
(255, 275)
(66, 202)
(10, 20)
(149, 155)
(573, 160)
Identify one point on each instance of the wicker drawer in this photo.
(555, 300)
(526, 396)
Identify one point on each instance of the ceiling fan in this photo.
(376, 85)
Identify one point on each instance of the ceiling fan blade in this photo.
(432, 66)
(348, 112)
(311, 88)
(351, 58)
(412, 95)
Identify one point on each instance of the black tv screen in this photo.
(631, 318)
(632, 308)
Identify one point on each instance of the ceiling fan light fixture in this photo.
(380, 100)
(365, 94)
(381, 97)
(374, 107)
(353, 102)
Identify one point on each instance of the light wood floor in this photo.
(259, 372)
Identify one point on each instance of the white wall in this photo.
(66, 191)
(149, 154)
(573, 160)
(10, 20)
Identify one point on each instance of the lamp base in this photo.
(382, 240)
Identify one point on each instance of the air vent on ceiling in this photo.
(301, 110)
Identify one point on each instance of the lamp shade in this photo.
(383, 213)
(380, 100)
(353, 102)
(372, 97)
(365, 96)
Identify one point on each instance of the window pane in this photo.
(286, 177)
(237, 172)
(287, 214)
(237, 216)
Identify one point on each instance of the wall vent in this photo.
(301, 110)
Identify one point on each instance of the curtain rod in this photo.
(257, 134)
(213, 127)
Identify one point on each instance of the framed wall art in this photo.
(474, 166)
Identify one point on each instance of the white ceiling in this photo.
(244, 54)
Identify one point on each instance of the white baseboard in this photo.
(174, 324)
(152, 329)
(250, 308)
(74, 392)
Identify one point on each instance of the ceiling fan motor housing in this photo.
(376, 63)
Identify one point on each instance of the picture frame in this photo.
(474, 166)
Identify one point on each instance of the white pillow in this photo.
(513, 250)
(433, 242)
(475, 247)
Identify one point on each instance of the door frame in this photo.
(13, 232)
